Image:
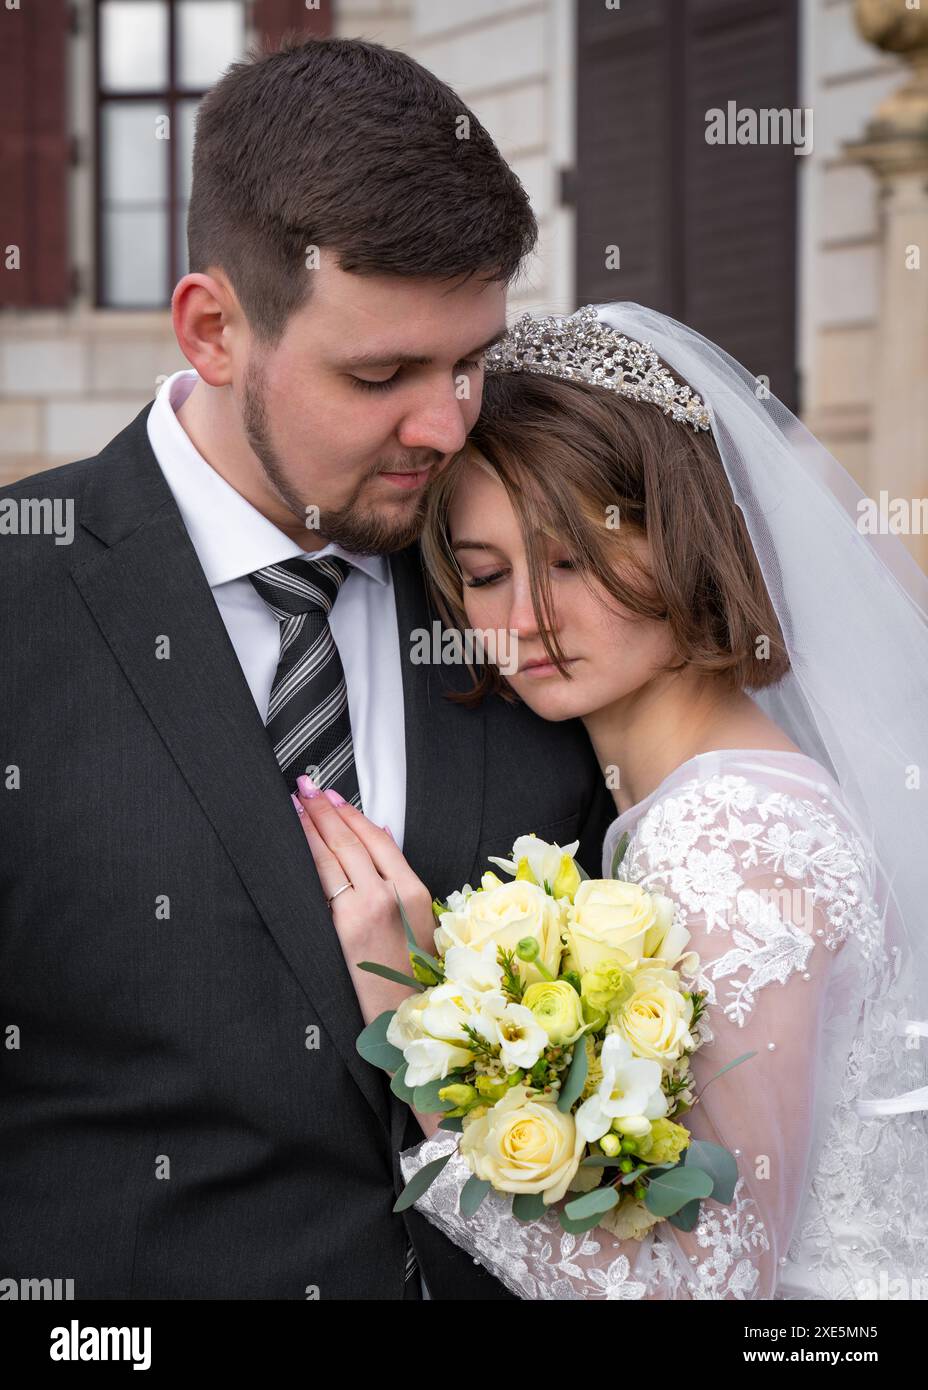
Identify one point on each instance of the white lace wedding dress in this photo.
(779, 892)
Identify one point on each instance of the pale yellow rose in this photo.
(524, 1144)
(655, 1021)
(612, 919)
(504, 916)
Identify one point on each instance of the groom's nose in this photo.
(437, 423)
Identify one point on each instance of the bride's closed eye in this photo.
(500, 574)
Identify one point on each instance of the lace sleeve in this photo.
(770, 885)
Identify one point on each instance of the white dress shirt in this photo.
(232, 539)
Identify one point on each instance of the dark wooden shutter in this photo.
(706, 233)
(625, 186)
(274, 18)
(34, 154)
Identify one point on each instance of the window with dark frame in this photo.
(154, 61)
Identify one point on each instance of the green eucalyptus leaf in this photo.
(388, 973)
(528, 1206)
(595, 1203)
(399, 1088)
(575, 1079)
(685, 1219)
(420, 1182)
(718, 1163)
(670, 1191)
(472, 1194)
(374, 1047)
(426, 1099)
(619, 854)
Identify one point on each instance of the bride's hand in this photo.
(349, 848)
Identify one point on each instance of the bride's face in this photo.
(610, 654)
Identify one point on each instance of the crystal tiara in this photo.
(581, 348)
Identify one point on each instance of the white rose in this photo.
(657, 1017)
(524, 1144)
(610, 919)
(503, 916)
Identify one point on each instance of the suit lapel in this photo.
(148, 585)
(444, 767)
(444, 747)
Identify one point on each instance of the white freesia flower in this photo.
(521, 1038)
(475, 970)
(456, 900)
(406, 1024)
(450, 1008)
(630, 1091)
(431, 1059)
(544, 859)
(441, 1044)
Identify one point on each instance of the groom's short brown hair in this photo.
(344, 144)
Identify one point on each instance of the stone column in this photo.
(895, 147)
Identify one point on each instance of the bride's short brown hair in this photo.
(575, 460)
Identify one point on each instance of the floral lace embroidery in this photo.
(536, 1259)
(732, 1233)
(703, 843)
(862, 1227)
(539, 1260)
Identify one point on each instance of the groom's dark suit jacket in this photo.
(165, 946)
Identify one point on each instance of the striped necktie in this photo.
(307, 716)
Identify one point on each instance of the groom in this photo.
(185, 1112)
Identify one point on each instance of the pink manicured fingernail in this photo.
(390, 833)
(334, 797)
(307, 786)
(297, 805)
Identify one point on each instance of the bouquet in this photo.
(553, 1028)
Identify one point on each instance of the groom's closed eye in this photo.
(365, 384)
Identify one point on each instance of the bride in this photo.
(680, 562)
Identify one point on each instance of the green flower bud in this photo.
(492, 1087)
(527, 948)
(458, 1095)
(610, 1145)
(523, 871)
(606, 987)
(568, 880)
(425, 974)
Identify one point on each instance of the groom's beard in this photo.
(352, 526)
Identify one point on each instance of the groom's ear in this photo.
(207, 319)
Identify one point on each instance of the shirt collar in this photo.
(232, 538)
